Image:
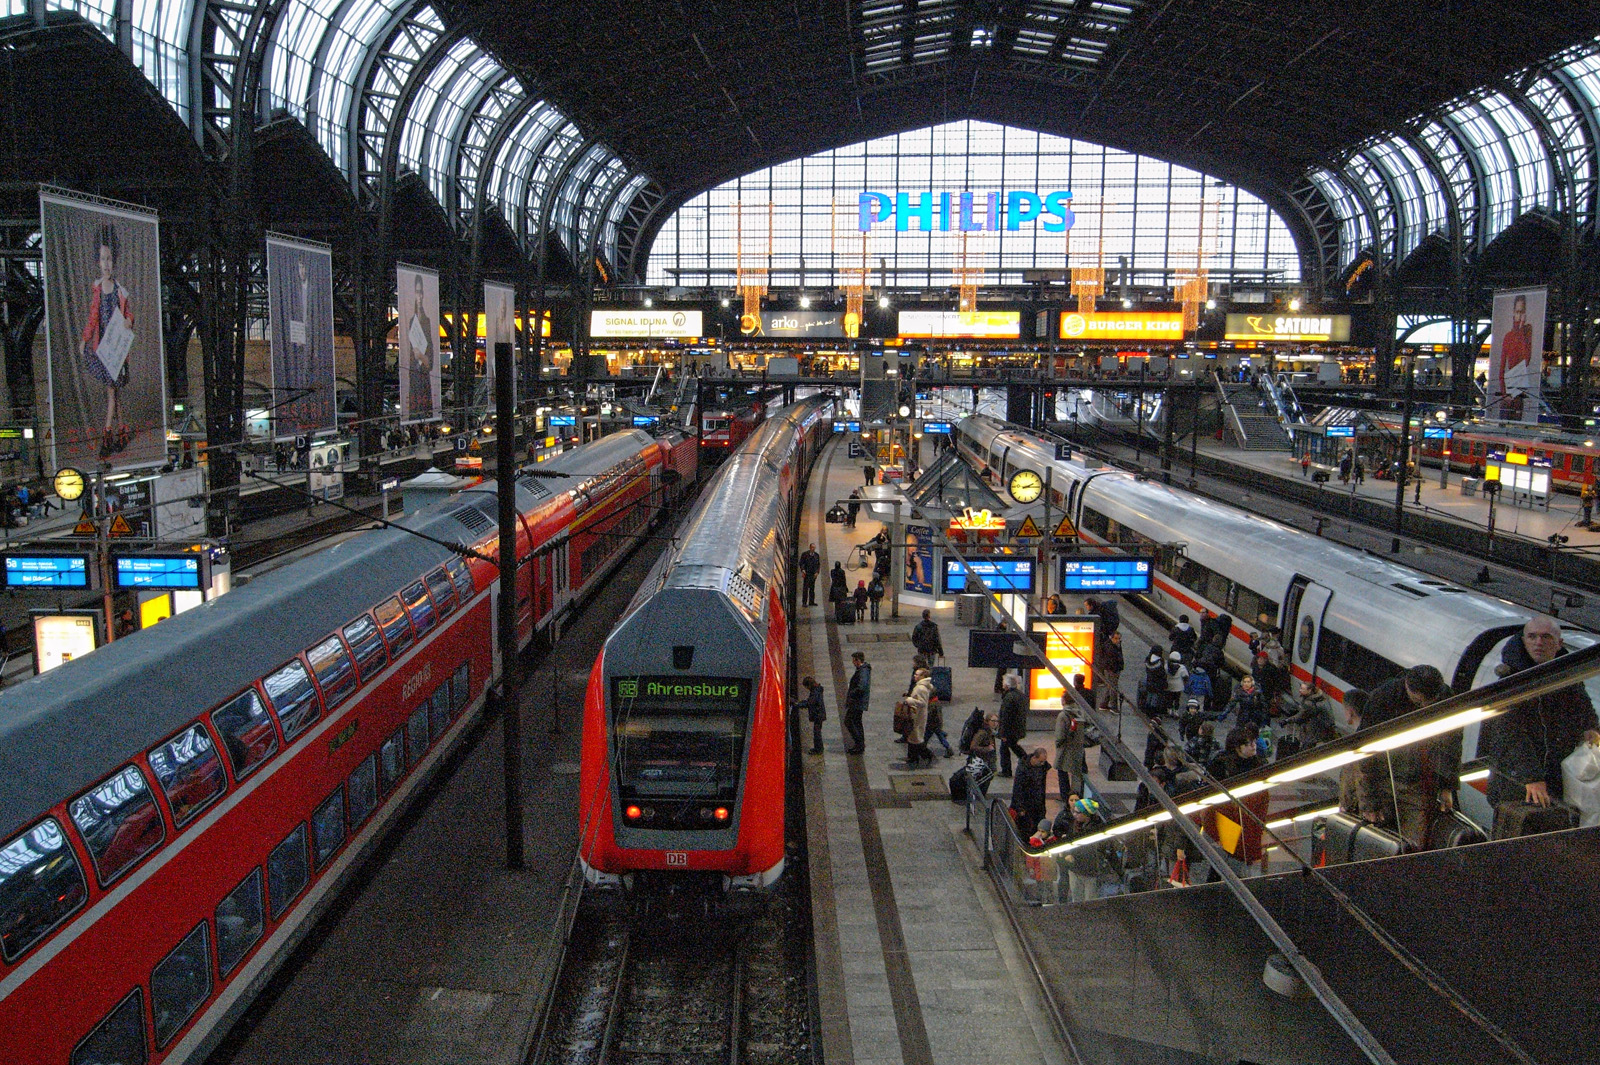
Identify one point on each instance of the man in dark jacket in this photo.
(855, 704)
(1183, 637)
(816, 712)
(1405, 788)
(1027, 791)
(1108, 666)
(925, 637)
(1013, 725)
(810, 566)
(1526, 745)
(1106, 611)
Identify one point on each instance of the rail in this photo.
(1228, 408)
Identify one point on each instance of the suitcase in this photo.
(1112, 767)
(1347, 838)
(844, 612)
(940, 675)
(1454, 829)
(1513, 819)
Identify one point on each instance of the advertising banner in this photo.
(1069, 645)
(1516, 355)
(978, 325)
(919, 559)
(61, 637)
(646, 324)
(1122, 325)
(1334, 328)
(300, 324)
(417, 300)
(794, 325)
(107, 372)
(498, 328)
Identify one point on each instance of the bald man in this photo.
(1525, 745)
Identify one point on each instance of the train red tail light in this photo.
(633, 813)
(720, 813)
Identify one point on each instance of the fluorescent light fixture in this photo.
(1321, 765)
(1422, 732)
(1310, 815)
(1476, 774)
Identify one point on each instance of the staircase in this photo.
(1254, 424)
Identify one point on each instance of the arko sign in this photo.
(966, 212)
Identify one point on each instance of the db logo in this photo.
(677, 858)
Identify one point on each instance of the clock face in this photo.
(69, 483)
(1025, 486)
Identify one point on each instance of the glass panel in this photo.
(189, 772)
(363, 637)
(443, 592)
(240, 921)
(461, 688)
(417, 605)
(247, 732)
(290, 692)
(417, 733)
(180, 983)
(287, 871)
(327, 828)
(439, 710)
(392, 760)
(336, 674)
(40, 885)
(119, 822)
(119, 1039)
(462, 576)
(363, 789)
(396, 629)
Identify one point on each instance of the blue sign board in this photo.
(938, 428)
(159, 571)
(1435, 432)
(1106, 574)
(997, 574)
(557, 420)
(47, 571)
(644, 421)
(1339, 430)
(847, 427)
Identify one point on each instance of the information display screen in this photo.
(938, 428)
(1106, 574)
(1339, 430)
(998, 575)
(159, 571)
(644, 421)
(847, 427)
(47, 571)
(563, 419)
(681, 693)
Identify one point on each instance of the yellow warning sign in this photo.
(1065, 530)
(120, 526)
(1029, 529)
(85, 527)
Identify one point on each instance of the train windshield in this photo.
(679, 736)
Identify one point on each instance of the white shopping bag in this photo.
(115, 343)
(419, 341)
(1580, 781)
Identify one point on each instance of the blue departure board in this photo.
(1106, 574)
(998, 575)
(847, 427)
(1339, 430)
(557, 420)
(938, 428)
(159, 571)
(47, 571)
(644, 421)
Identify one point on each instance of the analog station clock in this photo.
(1025, 486)
(69, 483)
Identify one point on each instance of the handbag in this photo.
(1178, 875)
(1580, 783)
(903, 717)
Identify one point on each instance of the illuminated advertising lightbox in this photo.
(59, 638)
(604, 325)
(1106, 574)
(159, 571)
(975, 325)
(1013, 575)
(1326, 327)
(1122, 325)
(966, 212)
(46, 571)
(1069, 645)
(798, 325)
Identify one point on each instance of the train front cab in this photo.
(693, 725)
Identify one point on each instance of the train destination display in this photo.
(998, 575)
(47, 571)
(1106, 574)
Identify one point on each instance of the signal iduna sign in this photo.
(642, 323)
(1125, 325)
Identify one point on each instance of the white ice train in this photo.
(1350, 619)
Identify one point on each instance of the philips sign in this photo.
(966, 213)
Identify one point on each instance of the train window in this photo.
(291, 695)
(247, 732)
(40, 886)
(443, 592)
(180, 983)
(119, 822)
(1250, 605)
(396, 629)
(240, 921)
(392, 760)
(462, 576)
(439, 709)
(363, 789)
(117, 1040)
(415, 597)
(461, 688)
(287, 871)
(327, 828)
(1096, 523)
(364, 640)
(335, 673)
(1352, 663)
(417, 733)
(189, 772)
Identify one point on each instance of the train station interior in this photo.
(891, 532)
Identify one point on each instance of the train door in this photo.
(1304, 609)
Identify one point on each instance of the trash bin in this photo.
(970, 609)
(1469, 486)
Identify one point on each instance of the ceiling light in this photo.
(648, 302)
(1211, 305)
(1294, 304)
(725, 301)
(805, 302)
(883, 301)
(1127, 304)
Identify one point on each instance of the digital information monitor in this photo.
(1106, 574)
(159, 571)
(567, 420)
(938, 428)
(47, 571)
(846, 427)
(998, 575)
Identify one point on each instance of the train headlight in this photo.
(633, 813)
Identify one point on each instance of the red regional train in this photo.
(685, 721)
(178, 808)
(1572, 464)
(724, 431)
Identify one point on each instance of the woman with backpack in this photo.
(1153, 688)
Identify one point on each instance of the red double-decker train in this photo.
(684, 731)
(177, 808)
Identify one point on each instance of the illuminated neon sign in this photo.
(964, 212)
